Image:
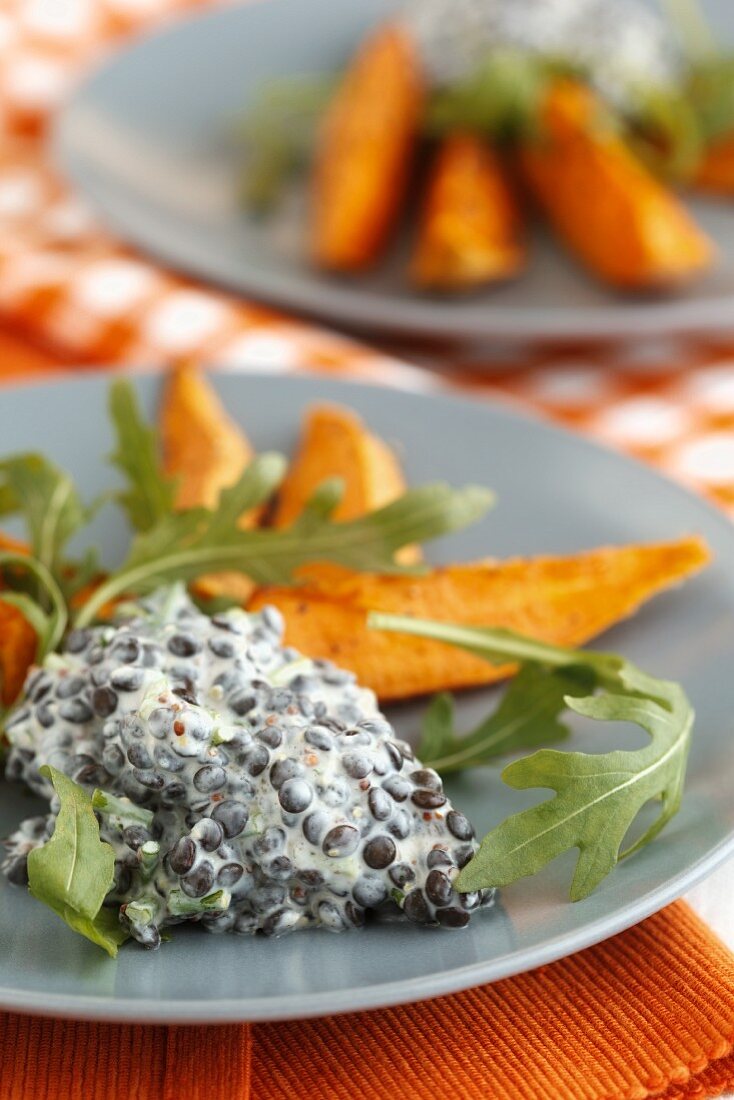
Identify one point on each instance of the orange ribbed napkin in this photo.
(649, 1013)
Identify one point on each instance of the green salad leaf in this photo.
(50, 505)
(527, 716)
(81, 573)
(49, 622)
(184, 545)
(122, 808)
(74, 870)
(706, 89)
(664, 128)
(598, 796)
(710, 90)
(178, 546)
(501, 98)
(149, 496)
(277, 136)
(9, 503)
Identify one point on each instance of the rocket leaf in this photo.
(48, 500)
(527, 716)
(597, 796)
(73, 871)
(184, 545)
(149, 495)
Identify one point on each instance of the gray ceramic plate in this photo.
(557, 493)
(145, 140)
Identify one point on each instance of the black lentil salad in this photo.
(240, 784)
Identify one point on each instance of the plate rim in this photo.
(370, 998)
(380, 313)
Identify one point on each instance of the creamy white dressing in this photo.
(245, 786)
(623, 44)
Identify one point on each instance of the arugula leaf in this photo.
(9, 503)
(277, 136)
(183, 545)
(501, 98)
(73, 871)
(710, 89)
(81, 573)
(187, 544)
(437, 729)
(708, 86)
(497, 645)
(122, 808)
(664, 128)
(50, 504)
(527, 716)
(49, 625)
(150, 495)
(598, 796)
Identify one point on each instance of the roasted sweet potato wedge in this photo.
(17, 637)
(364, 152)
(336, 443)
(470, 227)
(716, 171)
(17, 651)
(207, 452)
(10, 545)
(566, 600)
(606, 207)
(202, 447)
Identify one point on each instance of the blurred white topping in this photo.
(624, 42)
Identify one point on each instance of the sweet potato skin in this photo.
(364, 152)
(715, 173)
(207, 452)
(17, 651)
(202, 447)
(336, 443)
(565, 600)
(621, 222)
(10, 545)
(470, 226)
(17, 638)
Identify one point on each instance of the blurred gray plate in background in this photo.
(145, 139)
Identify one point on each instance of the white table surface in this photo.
(713, 900)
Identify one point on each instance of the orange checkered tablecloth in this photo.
(647, 1014)
(75, 290)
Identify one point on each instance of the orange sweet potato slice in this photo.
(715, 173)
(609, 210)
(470, 227)
(17, 637)
(10, 545)
(202, 447)
(364, 152)
(565, 600)
(336, 443)
(207, 452)
(17, 651)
